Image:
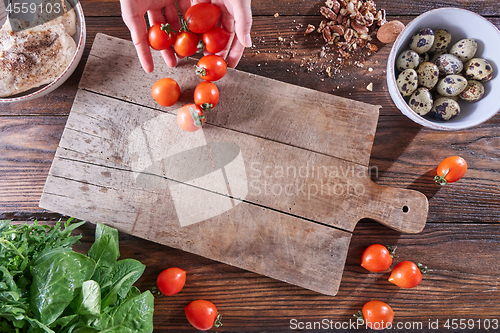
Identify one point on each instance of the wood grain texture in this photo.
(458, 285)
(248, 104)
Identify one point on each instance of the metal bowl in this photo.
(79, 37)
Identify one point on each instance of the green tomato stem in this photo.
(392, 250)
(441, 180)
(217, 322)
(423, 269)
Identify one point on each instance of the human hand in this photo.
(236, 17)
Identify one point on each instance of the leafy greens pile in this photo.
(45, 286)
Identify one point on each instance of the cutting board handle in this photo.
(400, 209)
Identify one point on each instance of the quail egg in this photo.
(445, 108)
(442, 39)
(451, 85)
(449, 64)
(407, 82)
(478, 69)
(436, 55)
(473, 92)
(464, 49)
(428, 75)
(421, 101)
(424, 57)
(422, 41)
(407, 60)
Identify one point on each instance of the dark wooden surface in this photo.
(460, 243)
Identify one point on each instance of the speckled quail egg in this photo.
(445, 108)
(407, 82)
(464, 49)
(435, 96)
(421, 101)
(407, 60)
(449, 64)
(424, 57)
(451, 85)
(422, 41)
(478, 69)
(473, 92)
(442, 39)
(428, 75)
(436, 55)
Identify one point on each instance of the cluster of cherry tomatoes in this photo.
(202, 314)
(198, 31)
(406, 274)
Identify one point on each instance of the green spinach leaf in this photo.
(54, 282)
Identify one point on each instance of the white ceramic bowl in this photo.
(461, 24)
(79, 37)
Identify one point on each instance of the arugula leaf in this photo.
(54, 282)
(46, 287)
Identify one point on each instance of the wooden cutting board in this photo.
(275, 181)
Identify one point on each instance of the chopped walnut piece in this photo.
(347, 25)
(328, 13)
(327, 35)
(310, 28)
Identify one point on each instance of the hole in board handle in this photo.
(406, 209)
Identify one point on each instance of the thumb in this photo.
(242, 13)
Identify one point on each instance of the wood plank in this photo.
(246, 236)
(261, 60)
(25, 165)
(103, 131)
(299, 7)
(458, 283)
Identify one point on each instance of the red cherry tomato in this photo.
(202, 17)
(171, 280)
(206, 95)
(407, 274)
(186, 43)
(377, 258)
(377, 315)
(450, 170)
(215, 39)
(190, 117)
(202, 315)
(211, 67)
(161, 36)
(166, 91)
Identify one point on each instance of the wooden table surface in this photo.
(460, 243)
